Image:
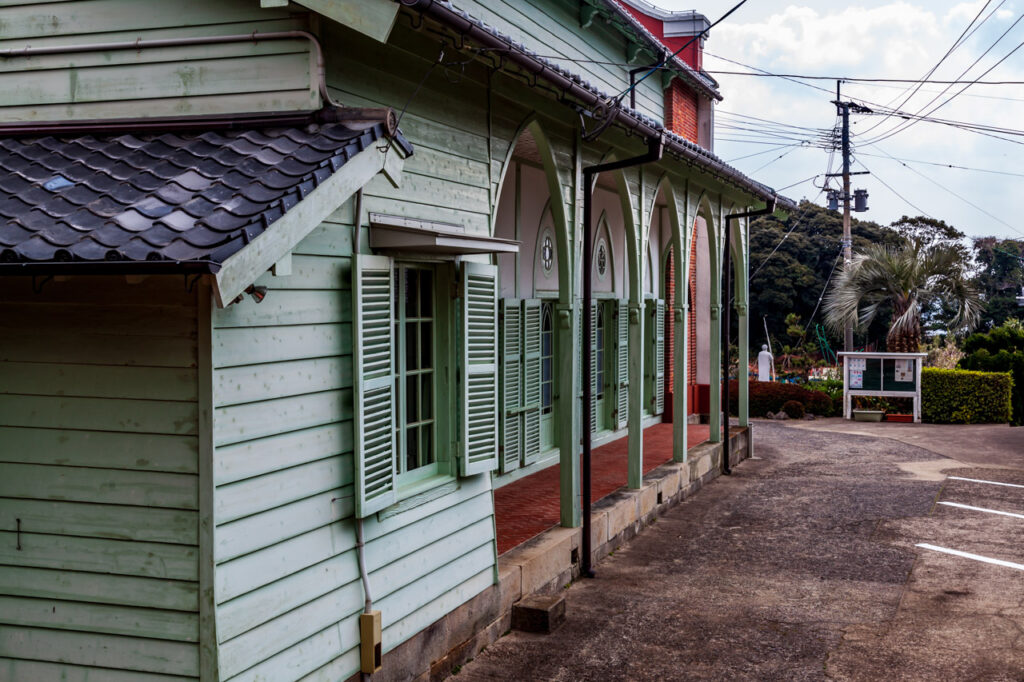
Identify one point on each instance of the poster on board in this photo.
(856, 378)
(904, 370)
(858, 364)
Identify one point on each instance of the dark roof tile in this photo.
(170, 196)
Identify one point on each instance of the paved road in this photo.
(804, 565)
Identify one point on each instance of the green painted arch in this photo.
(633, 261)
(559, 213)
(679, 234)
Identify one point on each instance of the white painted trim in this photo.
(978, 480)
(982, 509)
(245, 267)
(968, 555)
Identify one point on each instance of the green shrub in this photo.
(1000, 350)
(957, 396)
(827, 400)
(770, 396)
(794, 409)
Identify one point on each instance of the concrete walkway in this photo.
(806, 564)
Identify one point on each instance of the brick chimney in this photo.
(686, 113)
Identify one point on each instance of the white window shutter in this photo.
(622, 365)
(659, 357)
(479, 369)
(511, 384)
(531, 379)
(374, 428)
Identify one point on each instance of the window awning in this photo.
(396, 233)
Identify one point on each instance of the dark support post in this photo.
(727, 322)
(655, 147)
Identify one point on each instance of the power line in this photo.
(890, 188)
(940, 165)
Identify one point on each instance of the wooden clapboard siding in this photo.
(169, 81)
(287, 581)
(98, 499)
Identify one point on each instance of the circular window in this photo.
(602, 259)
(547, 253)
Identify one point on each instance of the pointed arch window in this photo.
(547, 359)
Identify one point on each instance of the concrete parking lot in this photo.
(872, 555)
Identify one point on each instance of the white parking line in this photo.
(976, 557)
(982, 509)
(978, 480)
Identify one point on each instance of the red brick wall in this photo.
(692, 55)
(681, 110)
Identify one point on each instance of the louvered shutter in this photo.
(593, 366)
(659, 357)
(511, 384)
(531, 379)
(479, 368)
(622, 365)
(374, 381)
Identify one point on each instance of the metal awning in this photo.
(396, 233)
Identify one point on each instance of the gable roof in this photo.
(189, 200)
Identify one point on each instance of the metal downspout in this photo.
(656, 147)
(727, 322)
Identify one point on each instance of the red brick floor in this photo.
(530, 506)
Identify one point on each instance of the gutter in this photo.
(443, 13)
(655, 150)
(727, 322)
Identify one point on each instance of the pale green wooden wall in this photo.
(287, 583)
(98, 458)
(173, 81)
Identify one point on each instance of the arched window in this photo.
(547, 359)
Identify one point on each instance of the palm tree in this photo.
(911, 277)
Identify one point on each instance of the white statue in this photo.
(765, 364)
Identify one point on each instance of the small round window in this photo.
(547, 253)
(602, 259)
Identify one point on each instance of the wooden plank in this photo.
(450, 599)
(169, 290)
(239, 385)
(99, 414)
(76, 18)
(115, 522)
(207, 625)
(103, 486)
(289, 629)
(469, 489)
(98, 381)
(52, 614)
(133, 451)
(313, 272)
(144, 559)
(423, 189)
(249, 346)
(264, 455)
(312, 655)
(97, 349)
(373, 18)
(328, 239)
(258, 534)
(259, 606)
(256, 495)
(256, 420)
(166, 107)
(108, 651)
(103, 317)
(98, 588)
(40, 671)
(287, 308)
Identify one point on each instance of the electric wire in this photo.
(889, 187)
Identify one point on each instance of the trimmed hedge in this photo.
(959, 396)
(769, 396)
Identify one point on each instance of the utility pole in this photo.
(844, 110)
(860, 196)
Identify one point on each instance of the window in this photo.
(415, 368)
(547, 360)
(599, 361)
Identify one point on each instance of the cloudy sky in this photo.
(877, 39)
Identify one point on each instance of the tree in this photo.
(912, 277)
(1000, 277)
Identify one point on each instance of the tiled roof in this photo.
(195, 196)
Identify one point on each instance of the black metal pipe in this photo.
(727, 323)
(655, 150)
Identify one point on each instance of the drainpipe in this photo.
(655, 149)
(727, 321)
